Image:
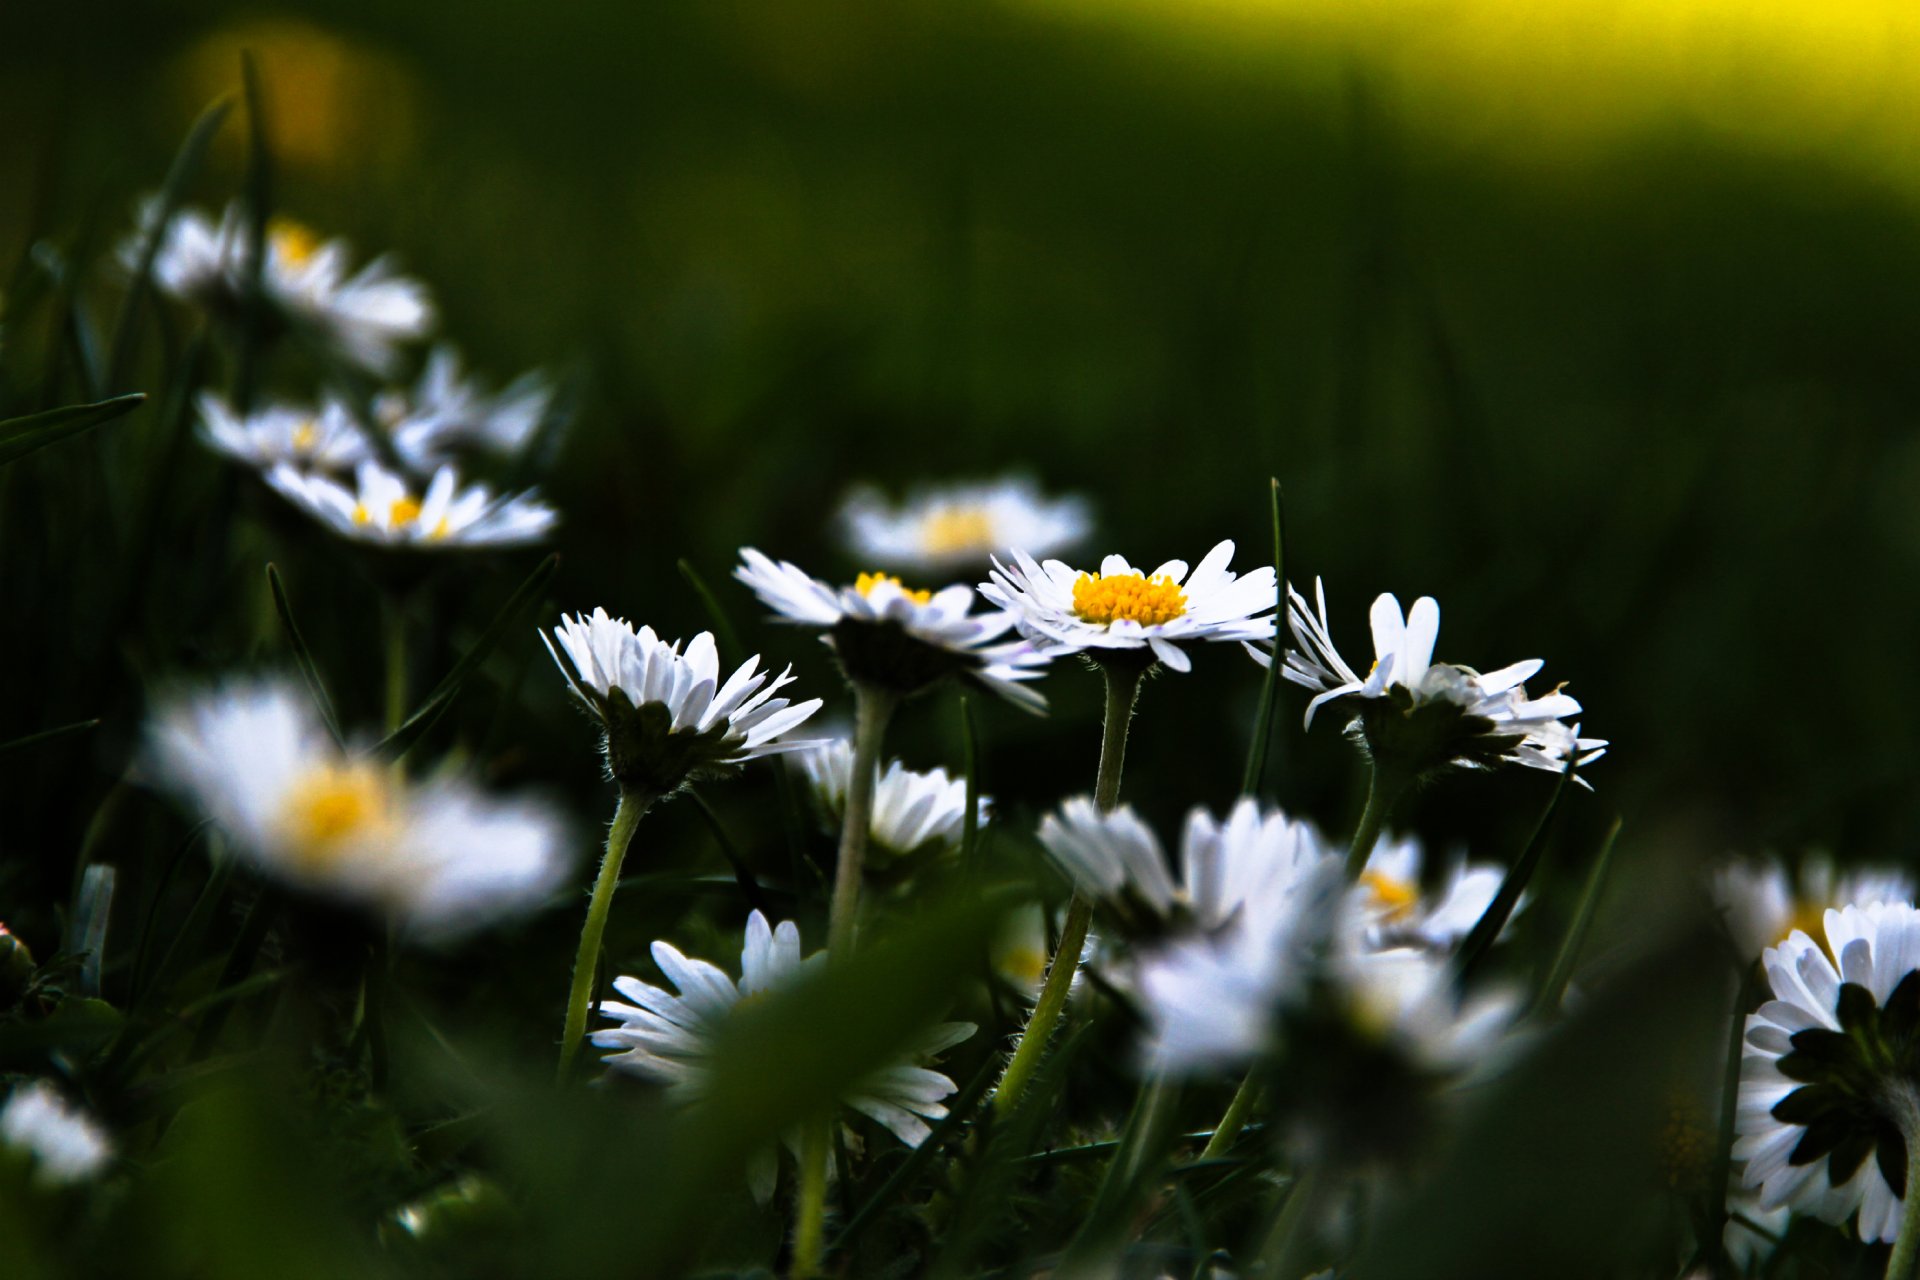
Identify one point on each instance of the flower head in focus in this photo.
(440, 856)
(669, 1036)
(386, 510)
(958, 527)
(1122, 614)
(324, 437)
(913, 812)
(668, 715)
(64, 1144)
(892, 637)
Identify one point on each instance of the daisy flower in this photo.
(1407, 998)
(446, 410)
(1420, 714)
(64, 1144)
(668, 715)
(440, 856)
(912, 811)
(959, 526)
(1392, 909)
(386, 510)
(1763, 903)
(362, 316)
(1830, 1078)
(668, 1036)
(1121, 612)
(326, 437)
(1019, 955)
(896, 638)
(1252, 862)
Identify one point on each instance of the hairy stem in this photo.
(626, 817)
(873, 708)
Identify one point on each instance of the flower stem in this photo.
(1383, 790)
(1904, 1262)
(394, 618)
(1123, 685)
(1234, 1120)
(810, 1204)
(873, 708)
(626, 816)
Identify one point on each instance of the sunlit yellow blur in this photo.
(1534, 77)
(332, 104)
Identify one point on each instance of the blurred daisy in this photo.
(1421, 714)
(1019, 951)
(1253, 862)
(896, 638)
(668, 1036)
(1763, 903)
(386, 510)
(912, 811)
(1121, 611)
(1393, 909)
(1830, 1081)
(325, 437)
(445, 411)
(959, 526)
(64, 1144)
(440, 856)
(363, 317)
(1407, 998)
(668, 715)
(1748, 1249)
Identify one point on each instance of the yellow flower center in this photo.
(954, 530)
(402, 512)
(305, 436)
(1024, 966)
(1808, 916)
(294, 242)
(334, 805)
(1128, 597)
(866, 582)
(1395, 898)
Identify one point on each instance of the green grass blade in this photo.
(1557, 978)
(742, 873)
(46, 735)
(970, 754)
(1269, 689)
(1485, 930)
(722, 625)
(186, 164)
(401, 740)
(22, 436)
(958, 1110)
(303, 655)
(259, 203)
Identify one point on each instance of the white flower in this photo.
(900, 639)
(668, 715)
(438, 855)
(1431, 713)
(1407, 997)
(65, 1144)
(1763, 903)
(669, 1038)
(1019, 952)
(384, 509)
(363, 316)
(1830, 1071)
(911, 810)
(1392, 909)
(1251, 863)
(959, 526)
(445, 410)
(1120, 609)
(325, 437)
(1746, 1248)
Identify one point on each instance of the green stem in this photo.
(1904, 1262)
(810, 1204)
(1228, 1130)
(394, 618)
(1383, 790)
(872, 709)
(633, 805)
(1123, 686)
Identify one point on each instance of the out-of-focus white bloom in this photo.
(1746, 1248)
(325, 437)
(446, 410)
(896, 638)
(955, 527)
(1410, 708)
(1393, 909)
(1406, 997)
(363, 316)
(911, 810)
(1828, 1077)
(1763, 903)
(1120, 610)
(385, 509)
(669, 1038)
(440, 856)
(1019, 952)
(65, 1145)
(668, 715)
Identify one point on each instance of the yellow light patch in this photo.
(333, 806)
(954, 530)
(294, 242)
(1024, 966)
(1810, 918)
(305, 436)
(1129, 597)
(403, 512)
(866, 582)
(1395, 897)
